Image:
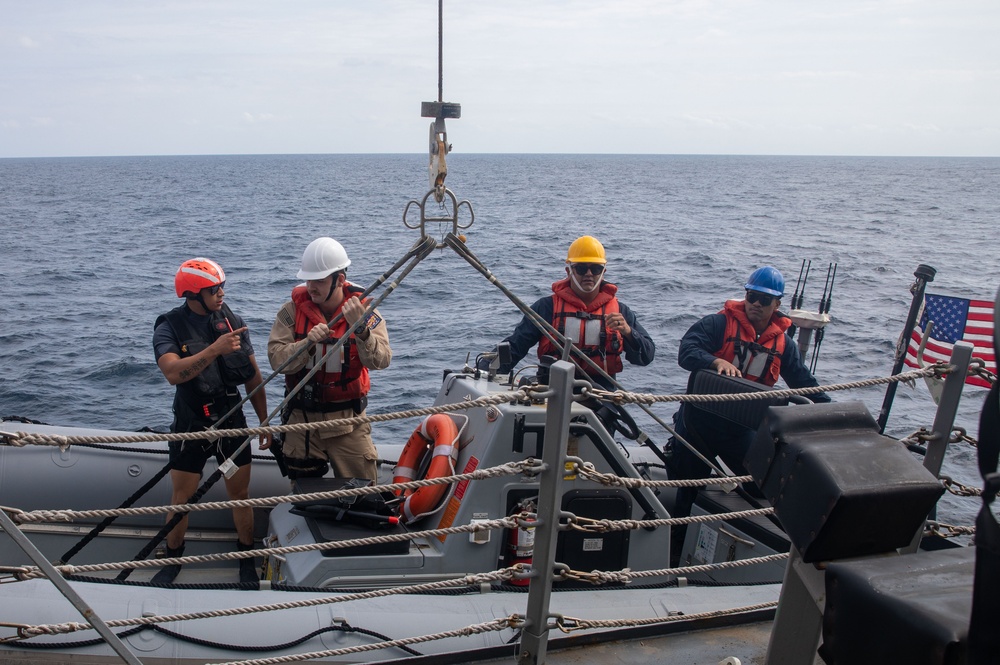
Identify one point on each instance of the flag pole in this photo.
(925, 275)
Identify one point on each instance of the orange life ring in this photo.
(437, 435)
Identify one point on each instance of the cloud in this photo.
(257, 117)
(531, 76)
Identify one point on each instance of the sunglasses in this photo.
(582, 269)
(213, 290)
(764, 299)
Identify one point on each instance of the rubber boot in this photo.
(248, 567)
(167, 574)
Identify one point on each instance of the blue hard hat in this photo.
(766, 280)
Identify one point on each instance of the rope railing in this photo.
(572, 522)
(25, 631)
(517, 571)
(619, 396)
(527, 466)
(32, 572)
(21, 438)
(585, 470)
(591, 525)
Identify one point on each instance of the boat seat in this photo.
(746, 413)
(840, 488)
(912, 609)
(714, 500)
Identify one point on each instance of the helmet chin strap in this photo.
(576, 281)
(333, 285)
(200, 301)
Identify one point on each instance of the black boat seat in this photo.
(840, 488)
(912, 609)
(746, 413)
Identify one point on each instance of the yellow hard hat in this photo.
(586, 249)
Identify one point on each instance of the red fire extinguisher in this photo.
(521, 541)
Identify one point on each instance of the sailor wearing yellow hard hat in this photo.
(584, 306)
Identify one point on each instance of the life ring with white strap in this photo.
(437, 436)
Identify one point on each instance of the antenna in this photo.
(824, 308)
(802, 294)
(795, 296)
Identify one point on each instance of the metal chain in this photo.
(959, 434)
(924, 435)
(626, 576)
(978, 368)
(959, 489)
(933, 528)
(590, 525)
(587, 471)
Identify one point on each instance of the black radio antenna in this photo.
(797, 304)
(824, 308)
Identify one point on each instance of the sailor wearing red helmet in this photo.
(204, 349)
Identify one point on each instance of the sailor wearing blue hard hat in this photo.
(747, 339)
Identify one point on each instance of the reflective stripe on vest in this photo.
(758, 360)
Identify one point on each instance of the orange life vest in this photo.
(757, 358)
(584, 325)
(343, 376)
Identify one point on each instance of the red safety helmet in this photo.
(197, 274)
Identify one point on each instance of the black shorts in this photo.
(191, 456)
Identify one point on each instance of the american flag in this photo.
(955, 319)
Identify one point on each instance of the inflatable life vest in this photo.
(203, 400)
(584, 326)
(223, 375)
(343, 376)
(436, 436)
(757, 358)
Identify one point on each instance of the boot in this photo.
(248, 567)
(168, 573)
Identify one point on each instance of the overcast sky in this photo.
(840, 77)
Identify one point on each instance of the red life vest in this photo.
(584, 325)
(757, 358)
(343, 377)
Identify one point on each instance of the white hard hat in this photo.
(322, 258)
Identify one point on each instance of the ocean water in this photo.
(90, 246)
